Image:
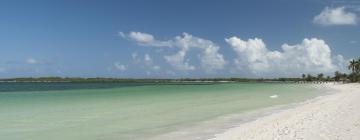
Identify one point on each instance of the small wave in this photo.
(274, 96)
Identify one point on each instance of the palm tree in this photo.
(337, 76)
(357, 71)
(309, 77)
(320, 77)
(353, 65)
(303, 76)
(357, 66)
(328, 78)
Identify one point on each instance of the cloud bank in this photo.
(253, 58)
(210, 58)
(335, 16)
(310, 56)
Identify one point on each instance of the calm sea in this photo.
(114, 111)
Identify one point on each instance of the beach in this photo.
(180, 70)
(231, 111)
(329, 117)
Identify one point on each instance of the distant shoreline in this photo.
(148, 80)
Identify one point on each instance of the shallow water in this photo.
(136, 112)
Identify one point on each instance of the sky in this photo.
(177, 38)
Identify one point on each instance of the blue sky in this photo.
(139, 38)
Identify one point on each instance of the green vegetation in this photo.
(354, 76)
(129, 80)
(354, 66)
(318, 77)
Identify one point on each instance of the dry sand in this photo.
(330, 117)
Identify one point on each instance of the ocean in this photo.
(118, 111)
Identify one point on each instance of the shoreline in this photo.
(223, 123)
(330, 116)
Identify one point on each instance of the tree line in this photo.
(353, 76)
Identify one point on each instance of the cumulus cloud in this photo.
(135, 58)
(335, 16)
(210, 58)
(341, 63)
(32, 61)
(134, 55)
(178, 61)
(145, 39)
(149, 63)
(148, 60)
(139, 37)
(310, 56)
(119, 67)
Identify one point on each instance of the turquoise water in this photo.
(135, 112)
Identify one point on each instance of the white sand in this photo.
(330, 117)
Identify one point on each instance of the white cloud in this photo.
(148, 60)
(335, 16)
(145, 39)
(210, 58)
(149, 63)
(156, 67)
(253, 57)
(120, 67)
(139, 37)
(135, 58)
(178, 61)
(134, 55)
(311, 56)
(341, 63)
(32, 61)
